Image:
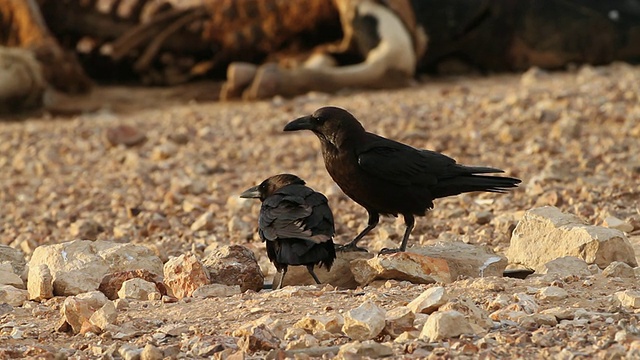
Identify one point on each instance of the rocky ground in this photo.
(167, 175)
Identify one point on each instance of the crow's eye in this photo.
(318, 119)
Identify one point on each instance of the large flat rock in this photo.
(546, 233)
(443, 262)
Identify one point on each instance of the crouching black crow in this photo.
(387, 177)
(296, 222)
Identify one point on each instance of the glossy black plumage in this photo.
(296, 223)
(387, 177)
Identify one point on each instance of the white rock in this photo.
(12, 295)
(429, 301)
(216, 290)
(615, 223)
(552, 293)
(619, 269)
(129, 352)
(95, 299)
(526, 303)
(121, 304)
(276, 326)
(203, 222)
(441, 262)
(76, 310)
(364, 350)
(79, 266)
(629, 298)
(151, 352)
(567, 266)
(445, 324)
(478, 317)
(104, 316)
(40, 283)
(399, 320)
(85, 229)
(332, 323)
(8, 277)
(13, 256)
(304, 342)
(137, 289)
(545, 234)
(364, 322)
(561, 313)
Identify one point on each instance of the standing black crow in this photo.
(387, 177)
(296, 222)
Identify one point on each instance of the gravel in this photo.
(572, 137)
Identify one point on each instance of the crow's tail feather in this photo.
(471, 182)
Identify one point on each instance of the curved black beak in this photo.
(303, 123)
(251, 193)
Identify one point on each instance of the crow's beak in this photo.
(303, 123)
(252, 193)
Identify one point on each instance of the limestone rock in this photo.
(619, 269)
(137, 289)
(234, 265)
(13, 256)
(304, 342)
(151, 352)
(76, 310)
(364, 350)
(204, 222)
(340, 275)
(443, 262)
(12, 295)
(104, 316)
(314, 323)
(40, 283)
(615, 223)
(258, 338)
(561, 313)
(277, 326)
(445, 324)
(184, 274)
(8, 277)
(629, 298)
(545, 234)
(553, 293)
(216, 290)
(129, 352)
(429, 301)
(111, 283)
(478, 318)
(85, 229)
(79, 266)
(566, 266)
(399, 320)
(364, 322)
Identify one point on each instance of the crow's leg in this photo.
(283, 273)
(409, 221)
(310, 269)
(374, 218)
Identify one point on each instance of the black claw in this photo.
(386, 251)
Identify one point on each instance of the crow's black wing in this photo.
(288, 214)
(404, 165)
